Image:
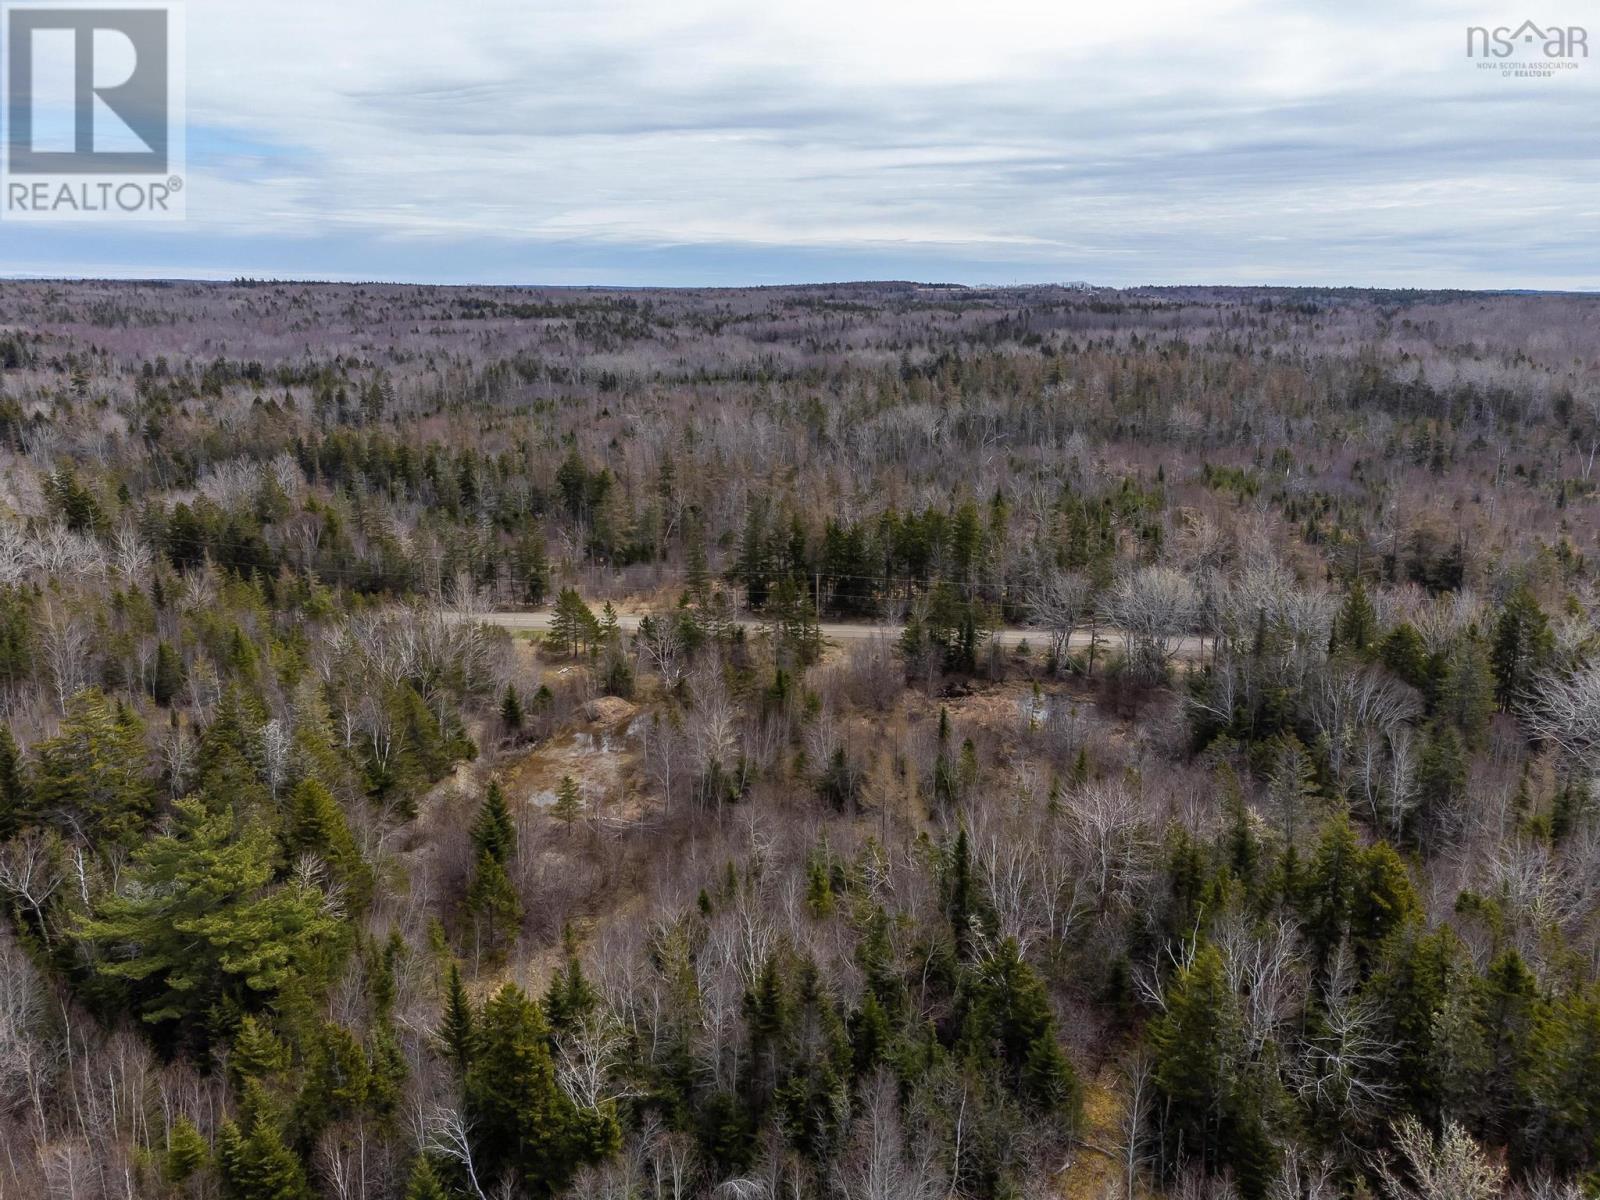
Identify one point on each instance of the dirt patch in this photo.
(600, 757)
(609, 711)
(1094, 1172)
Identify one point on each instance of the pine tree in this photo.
(206, 921)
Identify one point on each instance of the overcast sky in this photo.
(704, 141)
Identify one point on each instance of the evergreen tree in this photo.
(1013, 1005)
(16, 798)
(959, 889)
(187, 1152)
(1356, 627)
(569, 802)
(1410, 988)
(202, 922)
(573, 626)
(494, 832)
(1507, 1002)
(532, 567)
(387, 1071)
(170, 677)
(1217, 1103)
(1292, 785)
(1562, 1077)
(494, 904)
(1406, 654)
(1523, 644)
(336, 1082)
(1467, 689)
(511, 710)
(570, 997)
(258, 1052)
(1441, 773)
(457, 1027)
(91, 776)
(424, 1183)
(524, 1127)
(253, 1159)
(316, 826)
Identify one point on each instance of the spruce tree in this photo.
(457, 1027)
(92, 774)
(16, 800)
(1523, 644)
(494, 832)
(253, 1159)
(494, 904)
(525, 1128)
(169, 676)
(424, 1182)
(569, 803)
(511, 710)
(1356, 627)
(316, 825)
(187, 1152)
(1196, 1045)
(570, 997)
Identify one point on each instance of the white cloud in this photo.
(1230, 140)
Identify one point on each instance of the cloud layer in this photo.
(712, 142)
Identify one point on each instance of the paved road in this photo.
(538, 621)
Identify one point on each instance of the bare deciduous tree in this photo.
(1152, 607)
(1450, 1167)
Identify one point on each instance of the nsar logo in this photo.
(1528, 50)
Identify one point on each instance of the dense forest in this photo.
(1261, 865)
